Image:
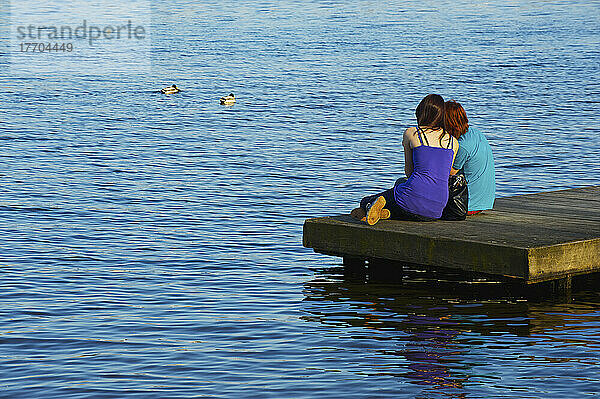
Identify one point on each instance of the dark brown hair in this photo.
(457, 122)
(430, 111)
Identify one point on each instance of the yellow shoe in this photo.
(385, 214)
(374, 211)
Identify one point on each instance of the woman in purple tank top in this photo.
(429, 152)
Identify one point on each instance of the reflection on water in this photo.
(151, 245)
(448, 336)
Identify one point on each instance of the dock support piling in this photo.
(385, 270)
(355, 268)
(556, 290)
(563, 287)
(352, 262)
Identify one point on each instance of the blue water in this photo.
(151, 245)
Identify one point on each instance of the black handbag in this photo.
(458, 198)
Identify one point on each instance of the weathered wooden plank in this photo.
(534, 237)
(573, 208)
(589, 193)
(564, 259)
(501, 229)
(558, 213)
(559, 204)
(338, 236)
(558, 224)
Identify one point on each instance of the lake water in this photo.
(151, 245)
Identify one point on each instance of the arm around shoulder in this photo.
(455, 148)
(460, 157)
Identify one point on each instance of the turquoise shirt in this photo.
(475, 157)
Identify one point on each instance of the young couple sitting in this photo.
(441, 144)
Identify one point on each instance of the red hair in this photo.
(456, 120)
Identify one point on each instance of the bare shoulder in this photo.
(410, 131)
(409, 134)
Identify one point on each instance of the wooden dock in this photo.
(532, 238)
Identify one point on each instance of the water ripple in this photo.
(151, 244)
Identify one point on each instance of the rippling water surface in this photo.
(151, 245)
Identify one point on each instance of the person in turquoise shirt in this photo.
(474, 158)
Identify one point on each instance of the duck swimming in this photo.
(228, 100)
(170, 90)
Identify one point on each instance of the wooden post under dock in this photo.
(531, 238)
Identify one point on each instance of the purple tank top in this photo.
(425, 192)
